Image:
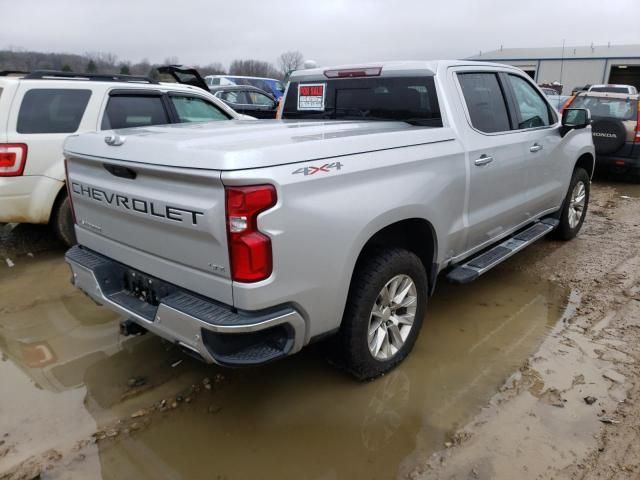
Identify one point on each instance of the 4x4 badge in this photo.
(310, 170)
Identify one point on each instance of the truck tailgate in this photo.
(168, 222)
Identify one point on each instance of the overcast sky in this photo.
(327, 31)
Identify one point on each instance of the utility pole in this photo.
(562, 66)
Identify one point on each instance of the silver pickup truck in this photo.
(244, 241)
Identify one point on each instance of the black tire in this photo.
(62, 221)
(565, 231)
(371, 275)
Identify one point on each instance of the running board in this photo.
(484, 262)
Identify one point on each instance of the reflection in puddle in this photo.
(297, 418)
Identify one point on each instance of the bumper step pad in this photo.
(488, 259)
(229, 336)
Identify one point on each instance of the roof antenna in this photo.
(562, 61)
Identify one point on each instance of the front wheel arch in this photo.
(587, 162)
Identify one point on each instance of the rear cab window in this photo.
(608, 107)
(609, 89)
(411, 99)
(52, 110)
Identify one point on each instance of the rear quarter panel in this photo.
(322, 221)
(7, 92)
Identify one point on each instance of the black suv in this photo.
(247, 100)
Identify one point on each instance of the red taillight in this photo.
(567, 103)
(249, 249)
(354, 72)
(13, 157)
(68, 184)
(637, 138)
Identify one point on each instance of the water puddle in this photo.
(65, 373)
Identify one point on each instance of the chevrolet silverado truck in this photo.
(242, 242)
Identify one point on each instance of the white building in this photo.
(573, 66)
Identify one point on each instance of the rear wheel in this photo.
(384, 312)
(575, 205)
(62, 221)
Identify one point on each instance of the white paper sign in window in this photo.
(311, 96)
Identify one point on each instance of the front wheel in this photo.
(384, 312)
(575, 205)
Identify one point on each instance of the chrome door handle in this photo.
(483, 160)
(535, 148)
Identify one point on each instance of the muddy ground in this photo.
(530, 372)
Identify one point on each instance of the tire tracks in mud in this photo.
(541, 425)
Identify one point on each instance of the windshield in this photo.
(610, 89)
(379, 98)
(619, 108)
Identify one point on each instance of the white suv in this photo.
(39, 110)
(614, 88)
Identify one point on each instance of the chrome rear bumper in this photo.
(214, 332)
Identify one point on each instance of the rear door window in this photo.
(194, 109)
(485, 101)
(258, 98)
(238, 97)
(379, 98)
(52, 110)
(532, 108)
(125, 111)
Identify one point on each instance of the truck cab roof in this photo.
(389, 69)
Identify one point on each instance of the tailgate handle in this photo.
(120, 171)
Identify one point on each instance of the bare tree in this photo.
(16, 58)
(214, 68)
(104, 62)
(173, 60)
(290, 61)
(254, 68)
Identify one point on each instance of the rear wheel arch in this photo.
(416, 235)
(61, 218)
(62, 193)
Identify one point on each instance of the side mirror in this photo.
(575, 118)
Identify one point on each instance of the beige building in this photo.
(573, 66)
